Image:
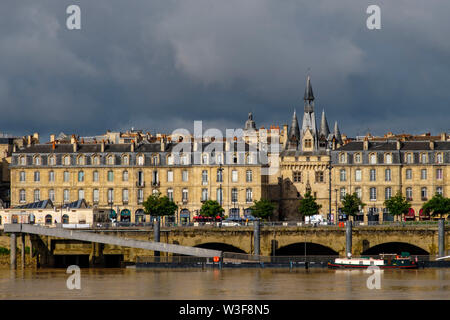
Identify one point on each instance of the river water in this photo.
(197, 284)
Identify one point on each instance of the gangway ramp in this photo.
(111, 240)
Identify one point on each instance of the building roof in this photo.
(392, 145)
(44, 204)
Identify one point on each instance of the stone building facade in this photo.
(377, 170)
(119, 177)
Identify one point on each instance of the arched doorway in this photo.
(65, 219)
(395, 247)
(48, 219)
(125, 215)
(185, 217)
(139, 216)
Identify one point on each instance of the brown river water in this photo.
(197, 284)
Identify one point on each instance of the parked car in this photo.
(230, 223)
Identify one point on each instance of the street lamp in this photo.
(336, 213)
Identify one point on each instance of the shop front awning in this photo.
(112, 214)
(125, 213)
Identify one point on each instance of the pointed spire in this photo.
(337, 133)
(294, 131)
(309, 96)
(324, 130)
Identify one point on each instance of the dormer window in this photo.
(388, 158)
(140, 160)
(80, 160)
(439, 158)
(373, 158)
(22, 160)
(110, 160)
(51, 160)
(423, 158)
(170, 159)
(204, 158)
(37, 160)
(358, 157)
(409, 158)
(155, 159)
(96, 160)
(66, 160)
(342, 158)
(125, 160)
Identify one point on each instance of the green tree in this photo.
(438, 205)
(262, 208)
(159, 206)
(211, 208)
(308, 206)
(397, 205)
(351, 204)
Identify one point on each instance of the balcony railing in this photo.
(155, 183)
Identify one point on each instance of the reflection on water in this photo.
(224, 284)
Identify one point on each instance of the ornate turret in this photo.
(294, 133)
(250, 124)
(324, 130)
(337, 134)
(309, 118)
(309, 96)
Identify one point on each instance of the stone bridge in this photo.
(367, 240)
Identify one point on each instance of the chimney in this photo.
(73, 139)
(366, 144)
(443, 136)
(227, 145)
(36, 137)
(195, 147)
(53, 145)
(28, 140)
(14, 148)
(132, 146)
(75, 146)
(52, 137)
(102, 149)
(163, 144)
(399, 144)
(431, 145)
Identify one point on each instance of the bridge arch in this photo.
(225, 247)
(395, 247)
(298, 249)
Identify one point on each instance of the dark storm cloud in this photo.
(160, 65)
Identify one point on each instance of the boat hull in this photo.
(347, 266)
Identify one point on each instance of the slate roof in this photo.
(392, 145)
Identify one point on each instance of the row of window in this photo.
(140, 195)
(183, 159)
(388, 175)
(297, 176)
(388, 193)
(373, 158)
(140, 176)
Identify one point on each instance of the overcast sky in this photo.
(159, 65)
